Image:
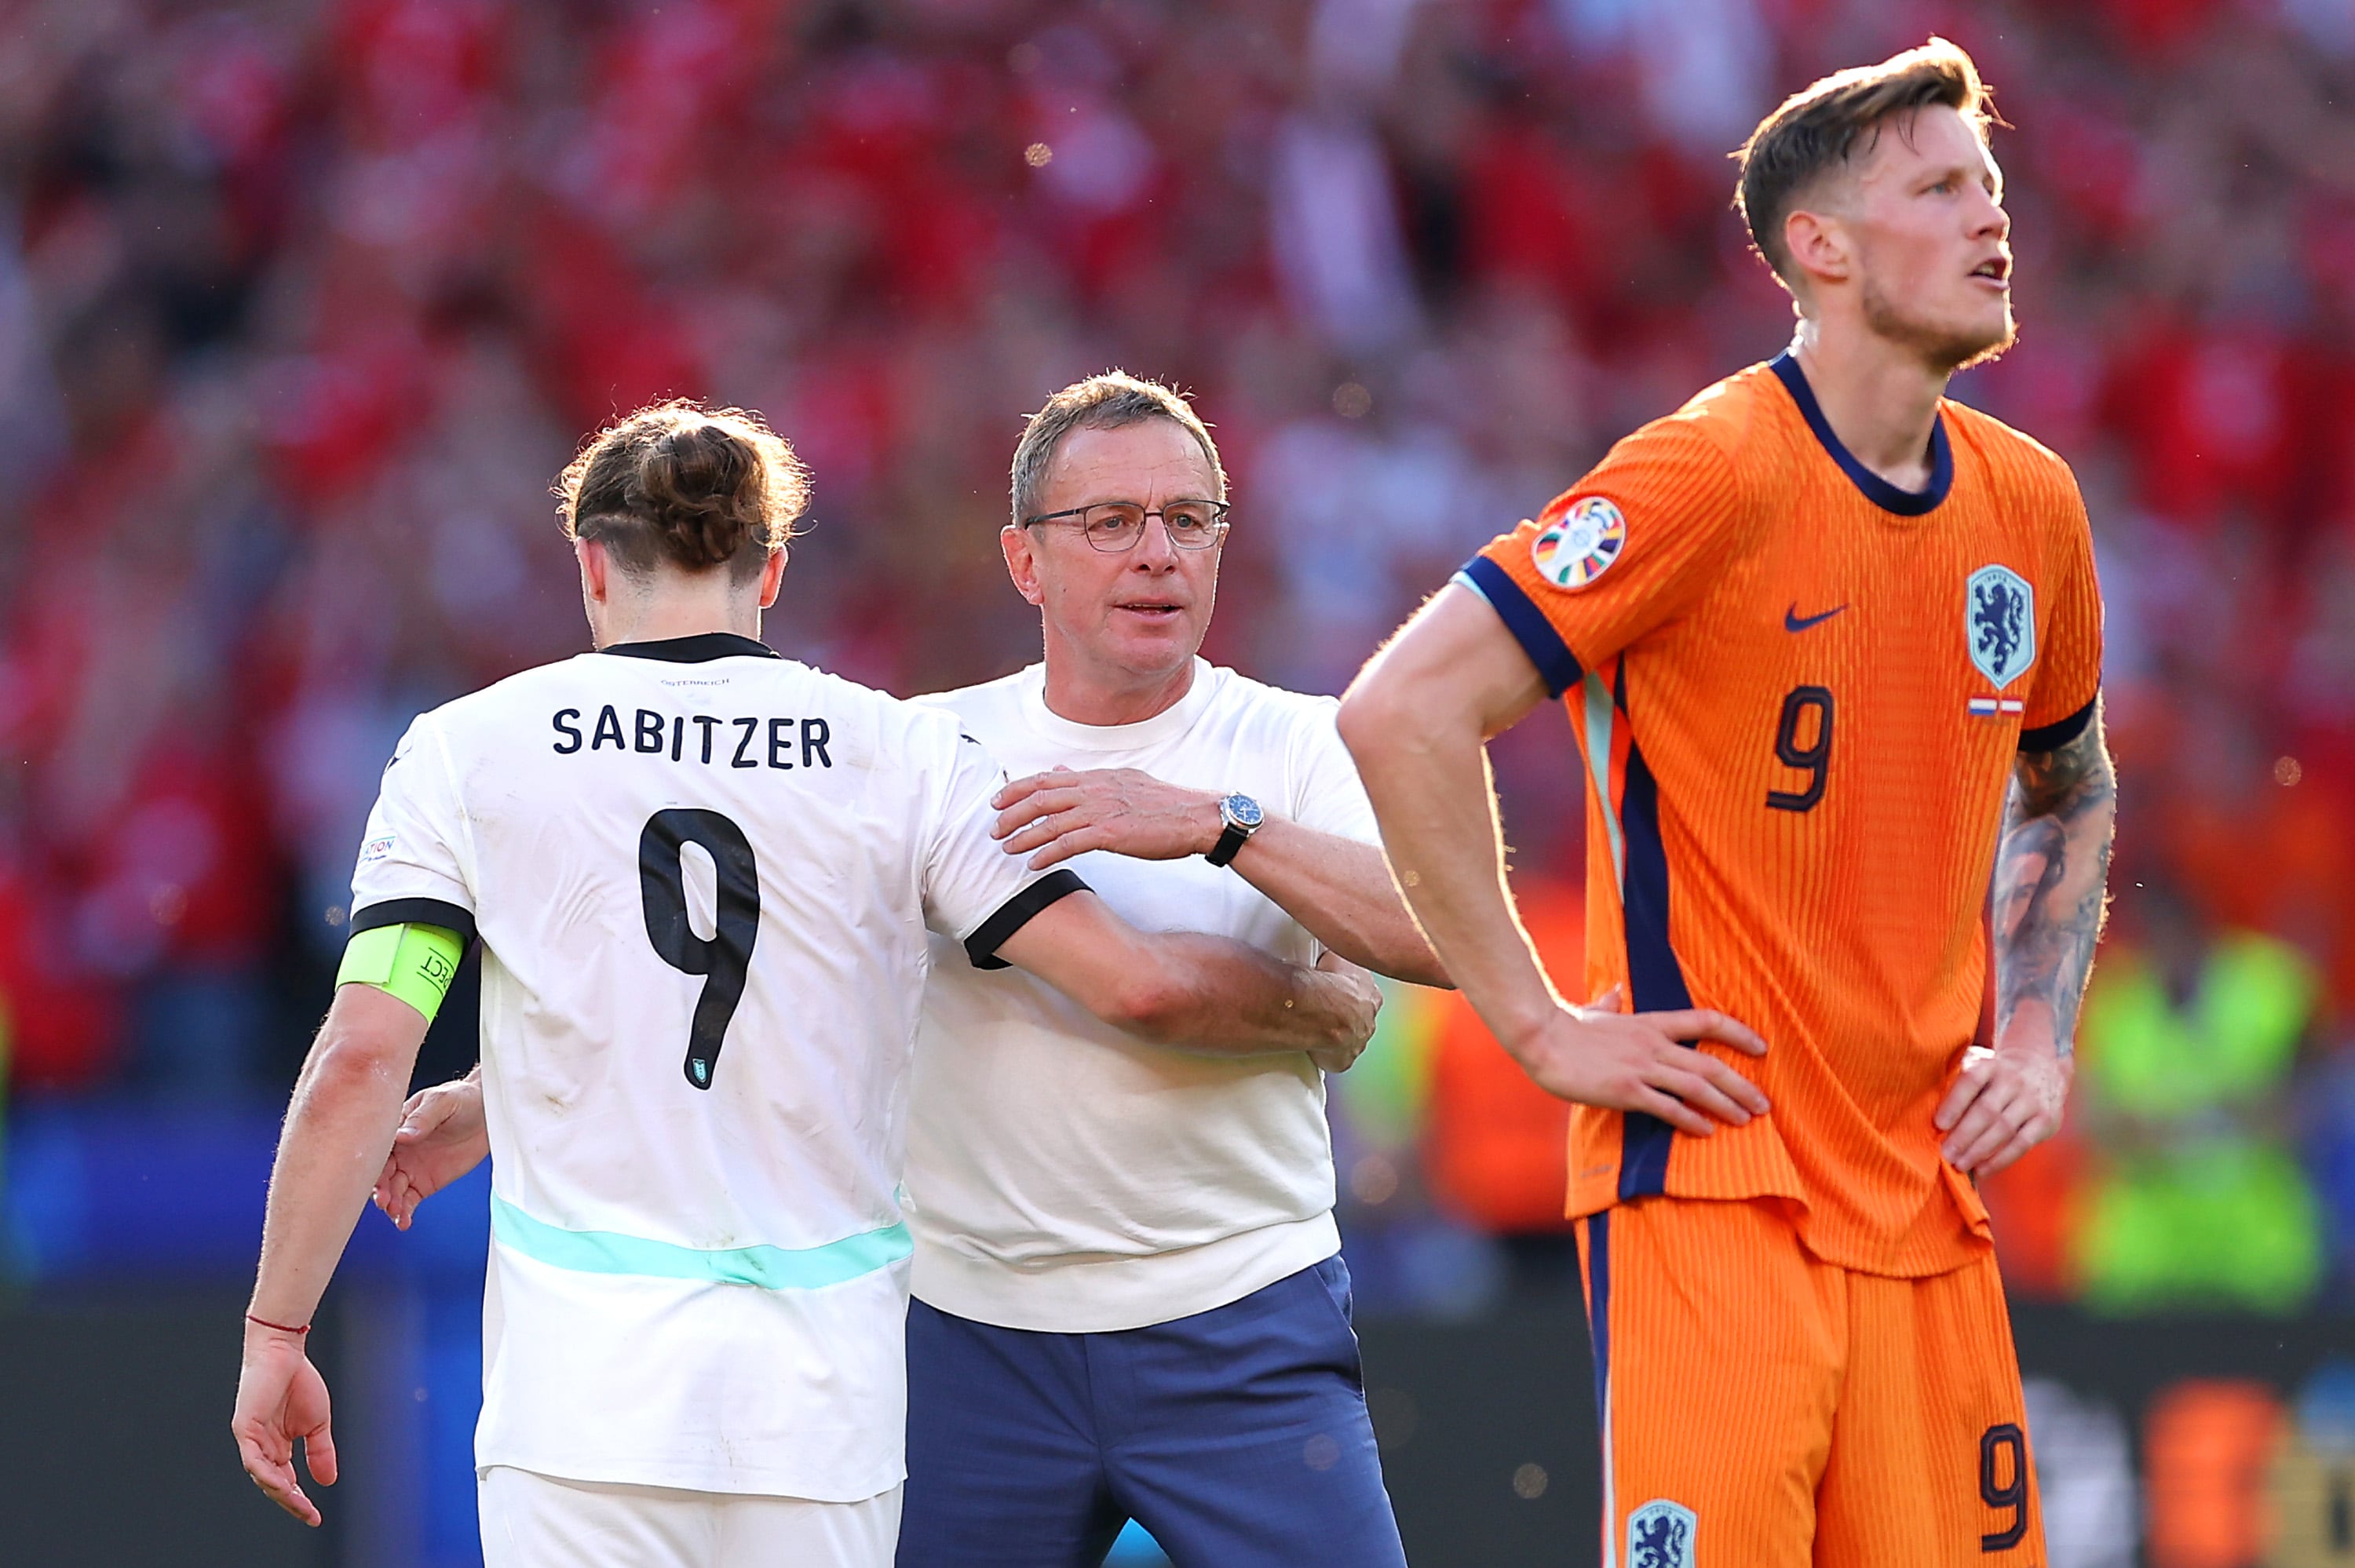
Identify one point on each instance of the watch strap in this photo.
(1230, 842)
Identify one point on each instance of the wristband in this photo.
(415, 963)
(280, 1327)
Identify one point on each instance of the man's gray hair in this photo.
(1107, 402)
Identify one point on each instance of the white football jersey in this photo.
(1067, 1178)
(703, 878)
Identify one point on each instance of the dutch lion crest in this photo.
(1661, 1535)
(1999, 623)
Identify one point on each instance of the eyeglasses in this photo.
(1113, 527)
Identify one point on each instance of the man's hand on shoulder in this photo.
(441, 1137)
(1062, 813)
(1598, 1055)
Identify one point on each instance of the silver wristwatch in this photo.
(1243, 818)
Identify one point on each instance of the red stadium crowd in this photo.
(302, 305)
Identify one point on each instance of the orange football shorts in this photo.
(1762, 1408)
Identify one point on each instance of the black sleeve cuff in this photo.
(1014, 913)
(416, 912)
(1556, 665)
(2053, 737)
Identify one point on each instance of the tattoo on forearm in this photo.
(2051, 874)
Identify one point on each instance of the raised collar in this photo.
(700, 649)
(1877, 490)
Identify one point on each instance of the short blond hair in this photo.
(1817, 130)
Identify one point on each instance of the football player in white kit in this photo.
(704, 879)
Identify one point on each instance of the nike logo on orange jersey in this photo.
(1792, 621)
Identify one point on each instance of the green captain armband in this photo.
(415, 963)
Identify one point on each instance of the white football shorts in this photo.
(531, 1520)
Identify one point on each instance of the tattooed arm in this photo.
(2051, 874)
(2052, 867)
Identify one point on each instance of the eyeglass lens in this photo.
(1118, 524)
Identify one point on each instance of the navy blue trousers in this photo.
(1238, 1437)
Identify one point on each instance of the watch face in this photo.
(1243, 810)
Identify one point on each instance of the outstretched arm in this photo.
(1197, 992)
(2051, 874)
(1339, 889)
(346, 1104)
(1417, 720)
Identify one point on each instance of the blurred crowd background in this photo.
(305, 303)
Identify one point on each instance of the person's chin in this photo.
(1973, 331)
(1990, 343)
(1972, 339)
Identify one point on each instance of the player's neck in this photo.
(1082, 692)
(1880, 400)
(660, 618)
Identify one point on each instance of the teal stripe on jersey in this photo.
(1598, 761)
(770, 1267)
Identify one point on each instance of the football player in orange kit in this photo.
(1831, 645)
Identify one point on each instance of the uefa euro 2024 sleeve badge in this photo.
(1579, 547)
(2000, 631)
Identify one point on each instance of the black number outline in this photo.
(725, 959)
(2012, 1495)
(1815, 760)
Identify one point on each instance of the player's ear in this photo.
(1819, 246)
(596, 570)
(1021, 562)
(773, 577)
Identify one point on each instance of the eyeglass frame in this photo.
(1219, 523)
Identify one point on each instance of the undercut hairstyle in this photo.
(679, 484)
(1110, 401)
(1821, 127)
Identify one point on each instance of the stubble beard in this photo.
(1942, 348)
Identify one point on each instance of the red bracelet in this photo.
(280, 1327)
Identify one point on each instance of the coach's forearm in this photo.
(1187, 990)
(347, 1103)
(1341, 892)
(1222, 997)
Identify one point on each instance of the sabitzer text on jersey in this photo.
(754, 743)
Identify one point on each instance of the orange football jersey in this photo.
(1800, 690)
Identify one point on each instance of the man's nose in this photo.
(1992, 220)
(1156, 551)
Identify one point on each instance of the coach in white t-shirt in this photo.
(1129, 1298)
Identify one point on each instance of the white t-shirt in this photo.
(1065, 1177)
(704, 878)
